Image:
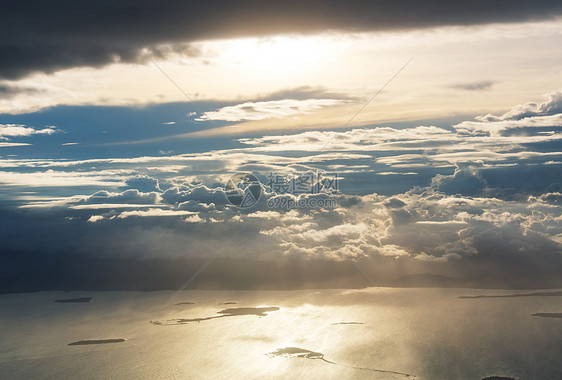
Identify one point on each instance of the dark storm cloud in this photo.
(47, 36)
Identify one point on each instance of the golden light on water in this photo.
(358, 332)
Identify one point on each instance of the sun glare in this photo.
(282, 54)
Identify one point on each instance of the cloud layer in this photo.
(471, 201)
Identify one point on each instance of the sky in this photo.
(122, 123)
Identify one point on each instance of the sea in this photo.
(371, 333)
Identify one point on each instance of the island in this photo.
(96, 341)
(74, 300)
(257, 311)
(547, 315)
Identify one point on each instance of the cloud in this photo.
(397, 173)
(394, 203)
(500, 127)
(32, 94)
(20, 130)
(363, 158)
(425, 257)
(8, 91)
(304, 93)
(58, 179)
(95, 218)
(551, 198)
(424, 226)
(194, 219)
(46, 38)
(521, 120)
(474, 86)
(463, 181)
(143, 183)
(485, 208)
(151, 212)
(274, 109)
(132, 196)
(552, 106)
(457, 228)
(8, 144)
(88, 206)
(198, 194)
(355, 139)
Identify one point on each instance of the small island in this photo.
(347, 323)
(257, 311)
(296, 352)
(74, 300)
(547, 315)
(96, 341)
(536, 294)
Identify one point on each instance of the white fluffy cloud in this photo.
(18, 130)
(494, 127)
(273, 109)
(529, 115)
(551, 106)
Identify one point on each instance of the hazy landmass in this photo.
(96, 341)
(295, 352)
(423, 280)
(536, 294)
(74, 300)
(548, 315)
(229, 303)
(499, 378)
(118, 274)
(257, 311)
(185, 303)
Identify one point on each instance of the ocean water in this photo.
(372, 333)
